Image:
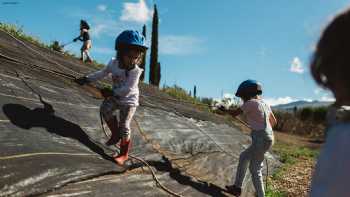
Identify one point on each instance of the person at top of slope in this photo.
(85, 38)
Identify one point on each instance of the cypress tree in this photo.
(158, 75)
(154, 50)
(143, 63)
(195, 92)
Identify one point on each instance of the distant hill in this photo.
(301, 104)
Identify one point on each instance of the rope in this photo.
(158, 183)
(41, 68)
(43, 153)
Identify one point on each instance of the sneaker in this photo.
(234, 190)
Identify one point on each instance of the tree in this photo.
(158, 75)
(154, 72)
(194, 92)
(143, 63)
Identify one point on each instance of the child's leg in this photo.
(88, 58)
(244, 159)
(87, 46)
(82, 53)
(256, 164)
(107, 109)
(126, 115)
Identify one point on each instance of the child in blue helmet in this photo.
(330, 67)
(130, 46)
(261, 120)
(85, 38)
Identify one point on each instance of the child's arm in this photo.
(101, 73)
(272, 119)
(80, 37)
(232, 112)
(236, 112)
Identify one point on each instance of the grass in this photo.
(270, 192)
(19, 33)
(288, 155)
(181, 94)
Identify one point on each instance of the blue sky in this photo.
(214, 45)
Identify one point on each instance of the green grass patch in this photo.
(19, 33)
(289, 155)
(270, 192)
(181, 94)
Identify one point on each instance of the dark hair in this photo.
(249, 94)
(122, 49)
(84, 25)
(331, 60)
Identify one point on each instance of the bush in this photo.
(306, 114)
(208, 101)
(55, 45)
(182, 95)
(319, 114)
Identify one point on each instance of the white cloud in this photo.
(137, 12)
(327, 98)
(98, 29)
(279, 101)
(296, 66)
(101, 7)
(179, 45)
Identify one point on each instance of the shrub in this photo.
(306, 114)
(55, 45)
(319, 114)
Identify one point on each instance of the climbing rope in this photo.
(43, 153)
(141, 160)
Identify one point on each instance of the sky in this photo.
(214, 45)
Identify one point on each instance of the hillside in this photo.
(301, 104)
(52, 141)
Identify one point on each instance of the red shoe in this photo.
(124, 151)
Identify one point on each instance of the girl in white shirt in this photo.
(131, 47)
(261, 120)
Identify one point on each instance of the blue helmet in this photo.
(249, 88)
(130, 37)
